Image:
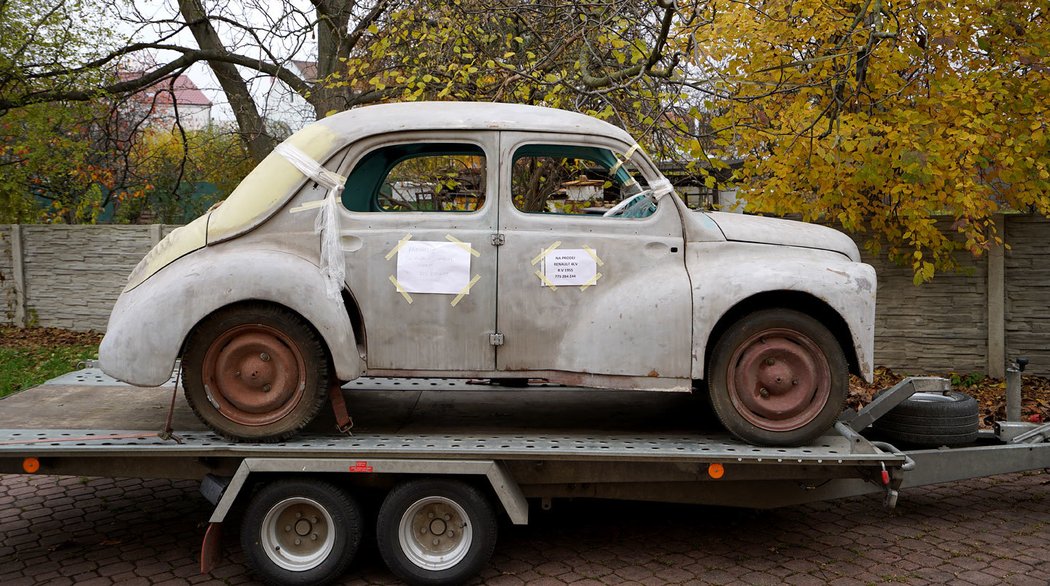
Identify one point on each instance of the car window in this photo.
(418, 177)
(572, 180)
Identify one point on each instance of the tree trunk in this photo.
(249, 121)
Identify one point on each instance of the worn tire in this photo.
(255, 372)
(404, 518)
(932, 420)
(271, 524)
(778, 377)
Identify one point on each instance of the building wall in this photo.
(73, 274)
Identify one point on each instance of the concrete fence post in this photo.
(997, 304)
(18, 264)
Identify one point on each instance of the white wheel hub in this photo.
(297, 534)
(434, 533)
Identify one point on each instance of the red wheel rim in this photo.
(254, 374)
(779, 380)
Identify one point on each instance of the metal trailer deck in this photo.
(537, 442)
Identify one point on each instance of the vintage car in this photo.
(495, 241)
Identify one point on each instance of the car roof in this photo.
(408, 116)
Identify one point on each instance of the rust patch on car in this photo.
(653, 373)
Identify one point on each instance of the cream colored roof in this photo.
(406, 116)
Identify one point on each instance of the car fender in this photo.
(725, 274)
(150, 323)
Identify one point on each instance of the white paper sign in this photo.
(569, 267)
(433, 267)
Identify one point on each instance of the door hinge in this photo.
(497, 239)
(496, 339)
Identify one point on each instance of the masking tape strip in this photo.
(594, 255)
(592, 281)
(627, 157)
(546, 281)
(466, 290)
(400, 243)
(464, 245)
(310, 205)
(546, 251)
(401, 290)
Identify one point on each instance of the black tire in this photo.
(298, 509)
(255, 372)
(932, 420)
(778, 377)
(467, 529)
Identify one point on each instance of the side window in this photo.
(418, 177)
(559, 179)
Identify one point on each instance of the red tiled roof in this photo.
(183, 91)
(307, 68)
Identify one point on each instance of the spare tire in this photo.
(932, 420)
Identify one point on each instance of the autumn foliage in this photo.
(880, 116)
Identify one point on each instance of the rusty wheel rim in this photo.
(254, 374)
(779, 380)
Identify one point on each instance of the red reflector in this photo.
(886, 477)
(31, 465)
(360, 466)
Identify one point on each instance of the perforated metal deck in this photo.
(830, 450)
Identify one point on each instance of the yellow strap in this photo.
(465, 290)
(401, 290)
(594, 255)
(546, 251)
(394, 250)
(464, 245)
(307, 206)
(626, 157)
(592, 281)
(546, 281)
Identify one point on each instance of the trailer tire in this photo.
(458, 513)
(778, 377)
(932, 420)
(287, 386)
(323, 518)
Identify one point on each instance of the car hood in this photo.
(762, 230)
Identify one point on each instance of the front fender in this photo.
(727, 273)
(150, 323)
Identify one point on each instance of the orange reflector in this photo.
(716, 471)
(30, 465)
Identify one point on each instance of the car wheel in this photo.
(255, 372)
(436, 531)
(301, 532)
(932, 420)
(778, 377)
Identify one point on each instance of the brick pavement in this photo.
(98, 531)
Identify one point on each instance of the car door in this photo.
(420, 211)
(583, 298)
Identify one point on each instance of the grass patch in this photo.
(31, 356)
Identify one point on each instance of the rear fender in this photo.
(150, 323)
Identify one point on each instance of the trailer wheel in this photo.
(932, 420)
(301, 532)
(255, 372)
(778, 377)
(436, 531)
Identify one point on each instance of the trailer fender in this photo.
(151, 322)
(503, 484)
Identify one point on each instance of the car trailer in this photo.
(444, 490)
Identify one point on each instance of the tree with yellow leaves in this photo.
(882, 116)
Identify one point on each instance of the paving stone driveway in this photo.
(66, 530)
